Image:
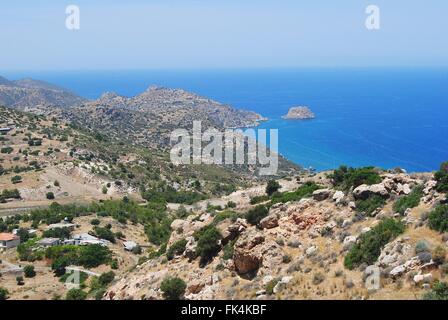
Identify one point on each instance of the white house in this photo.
(84, 239)
(9, 240)
(49, 242)
(129, 245)
(61, 225)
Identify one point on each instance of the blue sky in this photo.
(160, 34)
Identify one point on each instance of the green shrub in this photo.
(439, 255)
(224, 215)
(7, 150)
(259, 199)
(11, 194)
(421, 246)
(50, 195)
(231, 204)
(345, 178)
(272, 187)
(3, 294)
(255, 215)
(228, 250)
(76, 294)
(104, 233)
(61, 233)
(304, 191)
(438, 218)
(410, 201)
(158, 232)
(438, 292)
(368, 247)
(169, 194)
(16, 179)
(441, 177)
(29, 271)
(90, 256)
(177, 248)
(370, 204)
(207, 243)
(106, 278)
(271, 285)
(95, 222)
(173, 288)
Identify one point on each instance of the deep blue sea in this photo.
(382, 117)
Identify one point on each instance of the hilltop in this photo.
(25, 93)
(150, 117)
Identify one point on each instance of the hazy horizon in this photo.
(204, 35)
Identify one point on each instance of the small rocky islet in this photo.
(299, 113)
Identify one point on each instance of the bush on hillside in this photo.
(345, 177)
(410, 201)
(304, 191)
(368, 248)
(439, 292)
(207, 243)
(177, 248)
(370, 204)
(254, 216)
(441, 177)
(438, 218)
(272, 187)
(173, 288)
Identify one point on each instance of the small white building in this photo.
(61, 225)
(9, 240)
(129, 245)
(49, 242)
(85, 239)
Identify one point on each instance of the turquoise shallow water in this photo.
(381, 117)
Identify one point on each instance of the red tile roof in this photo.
(8, 237)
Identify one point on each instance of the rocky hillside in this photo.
(151, 116)
(31, 93)
(318, 237)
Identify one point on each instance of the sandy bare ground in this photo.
(76, 185)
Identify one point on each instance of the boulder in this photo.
(349, 241)
(245, 257)
(231, 231)
(406, 189)
(338, 197)
(429, 186)
(269, 222)
(425, 278)
(190, 248)
(361, 192)
(311, 251)
(195, 286)
(364, 191)
(365, 230)
(394, 254)
(322, 194)
(398, 271)
(282, 284)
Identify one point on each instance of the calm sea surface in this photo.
(380, 117)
